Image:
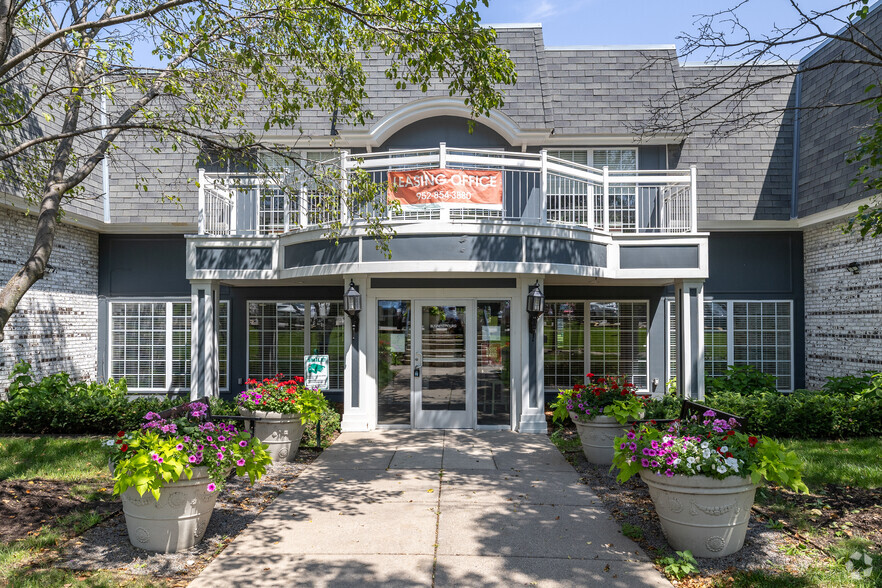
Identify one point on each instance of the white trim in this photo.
(650, 47)
(431, 107)
(512, 25)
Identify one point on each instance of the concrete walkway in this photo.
(434, 508)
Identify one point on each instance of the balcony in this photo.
(537, 190)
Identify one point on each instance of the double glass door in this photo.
(444, 363)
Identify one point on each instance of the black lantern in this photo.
(352, 304)
(854, 267)
(535, 305)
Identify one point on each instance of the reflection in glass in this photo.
(444, 358)
(393, 362)
(494, 362)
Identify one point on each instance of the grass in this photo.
(854, 462)
(80, 461)
(63, 459)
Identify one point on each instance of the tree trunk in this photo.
(35, 267)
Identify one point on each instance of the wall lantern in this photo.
(352, 305)
(535, 305)
(854, 267)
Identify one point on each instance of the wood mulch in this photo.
(27, 505)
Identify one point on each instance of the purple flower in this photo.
(159, 460)
(220, 455)
(179, 447)
(710, 414)
(653, 463)
(243, 443)
(644, 462)
(192, 459)
(631, 435)
(669, 473)
(240, 462)
(211, 487)
(221, 438)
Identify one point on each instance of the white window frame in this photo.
(307, 331)
(169, 302)
(587, 335)
(730, 333)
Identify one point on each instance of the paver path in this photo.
(434, 508)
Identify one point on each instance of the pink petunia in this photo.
(212, 487)
(240, 462)
(243, 443)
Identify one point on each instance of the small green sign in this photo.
(317, 370)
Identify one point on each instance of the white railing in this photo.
(537, 189)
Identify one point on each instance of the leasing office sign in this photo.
(456, 188)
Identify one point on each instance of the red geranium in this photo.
(752, 441)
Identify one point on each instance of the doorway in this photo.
(444, 363)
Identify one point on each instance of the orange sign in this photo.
(446, 187)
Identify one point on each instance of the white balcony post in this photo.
(689, 333)
(200, 218)
(543, 183)
(304, 205)
(606, 198)
(442, 155)
(693, 199)
(234, 201)
(286, 209)
(345, 216)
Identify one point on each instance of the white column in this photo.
(532, 372)
(690, 338)
(356, 406)
(204, 369)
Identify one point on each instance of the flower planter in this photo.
(281, 432)
(704, 515)
(597, 437)
(177, 520)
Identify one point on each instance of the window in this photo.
(618, 335)
(150, 344)
(622, 199)
(278, 332)
(617, 341)
(278, 209)
(743, 332)
(564, 350)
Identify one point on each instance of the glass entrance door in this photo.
(443, 365)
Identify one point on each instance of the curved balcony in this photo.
(536, 190)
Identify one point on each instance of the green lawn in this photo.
(69, 459)
(80, 461)
(855, 462)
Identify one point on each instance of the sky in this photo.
(636, 22)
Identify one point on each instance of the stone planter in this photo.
(597, 437)
(177, 520)
(282, 432)
(704, 515)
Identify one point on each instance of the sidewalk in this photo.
(442, 508)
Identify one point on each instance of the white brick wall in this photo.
(56, 325)
(843, 312)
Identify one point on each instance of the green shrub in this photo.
(744, 379)
(848, 385)
(803, 414)
(664, 407)
(55, 405)
(330, 424)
